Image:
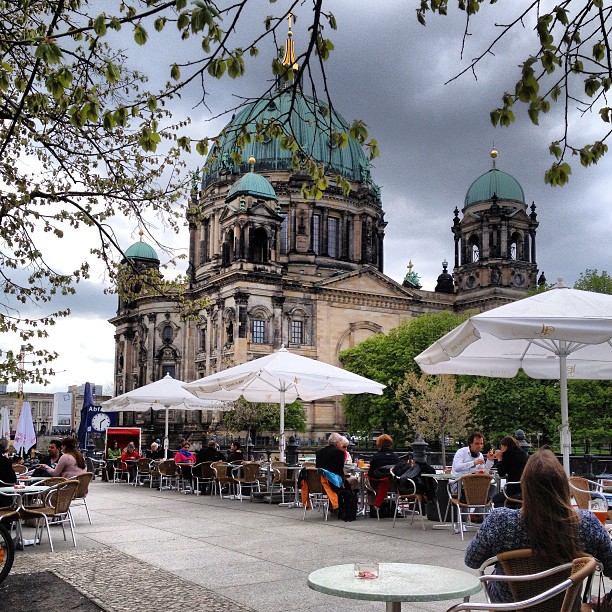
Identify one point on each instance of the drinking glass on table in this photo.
(598, 508)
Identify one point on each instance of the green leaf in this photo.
(253, 52)
(599, 51)
(121, 116)
(159, 24)
(99, 24)
(175, 72)
(604, 113)
(140, 35)
(216, 68)
(555, 149)
(48, 52)
(148, 140)
(112, 73)
(183, 21)
(235, 66)
(202, 146)
(108, 120)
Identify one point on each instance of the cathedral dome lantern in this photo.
(141, 252)
(494, 184)
(254, 185)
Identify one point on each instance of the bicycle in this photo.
(7, 552)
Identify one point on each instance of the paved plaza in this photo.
(163, 550)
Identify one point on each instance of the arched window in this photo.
(167, 334)
(473, 249)
(333, 239)
(284, 236)
(516, 250)
(259, 245)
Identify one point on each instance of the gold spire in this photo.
(289, 59)
(494, 155)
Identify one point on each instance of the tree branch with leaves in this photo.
(570, 64)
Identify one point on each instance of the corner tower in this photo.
(495, 241)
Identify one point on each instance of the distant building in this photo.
(51, 411)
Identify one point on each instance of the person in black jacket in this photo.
(7, 473)
(383, 457)
(511, 461)
(331, 457)
(210, 452)
(235, 452)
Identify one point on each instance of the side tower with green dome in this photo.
(495, 241)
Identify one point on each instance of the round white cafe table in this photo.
(396, 582)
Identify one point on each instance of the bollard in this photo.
(292, 453)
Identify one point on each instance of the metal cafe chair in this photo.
(534, 584)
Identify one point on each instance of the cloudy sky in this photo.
(435, 139)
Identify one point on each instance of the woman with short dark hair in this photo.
(547, 523)
(511, 461)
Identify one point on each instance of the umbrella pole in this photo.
(166, 439)
(281, 439)
(566, 436)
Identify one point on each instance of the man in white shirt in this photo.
(469, 459)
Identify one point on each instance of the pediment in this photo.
(368, 281)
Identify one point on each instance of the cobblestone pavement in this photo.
(115, 581)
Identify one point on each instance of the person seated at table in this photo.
(184, 455)
(113, 454)
(210, 452)
(155, 452)
(129, 458)
(7, 473)
(380, 469)
(330, 459)
(384, 457)
(71, 463)
(51, 459)
(235, 453)
(511, 461)
(469, 459)
(344, 446)
(547, 523)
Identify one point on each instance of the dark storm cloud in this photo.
(435, 139)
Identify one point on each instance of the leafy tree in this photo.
(387, 358)
(436, 406)
(569, 64)
(85, 140)
(507, 404)
(591, 280)
(259, 416)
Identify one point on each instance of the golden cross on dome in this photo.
(289, 59)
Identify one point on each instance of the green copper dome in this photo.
(309, 124)
(254, 185)
(142, 251)
(494, 182)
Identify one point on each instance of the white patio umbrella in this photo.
(280, 378)
(25, 436)
(558, 334)
(5, 423)
(165, 394)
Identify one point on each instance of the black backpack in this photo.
(347, 504)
